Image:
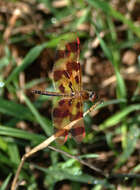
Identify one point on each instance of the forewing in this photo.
(67, 71)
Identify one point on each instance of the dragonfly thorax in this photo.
(86, 95)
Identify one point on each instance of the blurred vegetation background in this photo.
(109, 32)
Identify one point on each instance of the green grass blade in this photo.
(132, 138)
(16, 110)
(44, 123)
(58, 174)
(114, 101)
(18, 133)
(118, 117)
(6, 182)
(121, 88)
(89, 156)
(106, 49)
(4, 160)
(105, 7)
(13, 152)
(136, 169)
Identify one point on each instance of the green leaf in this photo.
(136, 169)
(89, 156)
(120, 85)
(4, 160)
(8, 131)
(16, 110)
(104, 6)
(6, 182)
(110, 102)
(106, 49)
(56, 173)
(13, 152)
(3, 145)
(132, 138)
(118, 117)
(97, 187)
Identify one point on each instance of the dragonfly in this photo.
(67, 80)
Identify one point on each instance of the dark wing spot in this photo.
(69, 68)
(75, 66)
(59, 54)
(66, 74)
(78, 105)
(70, 102)
(79, 114)
(72, 66)
(78, 66)
(70, 86)
(73, 47)
(60, 113)
(62, 88)
(77, 79)
(57, 75)
(62, 102)
(65, 113)
(56, 112)
(77, 131)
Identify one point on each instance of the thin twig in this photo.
(79, 160)
(106, 175)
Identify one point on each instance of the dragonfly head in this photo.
(92, 96)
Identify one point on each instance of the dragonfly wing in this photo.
(67, 79)
(66, 70)
(66, 110)
(61, 116)
(63, 138)
(78, 130)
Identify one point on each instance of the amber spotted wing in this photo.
(67, 82)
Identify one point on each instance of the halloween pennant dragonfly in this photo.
(68, 86)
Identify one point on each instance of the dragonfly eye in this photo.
(92, 96)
